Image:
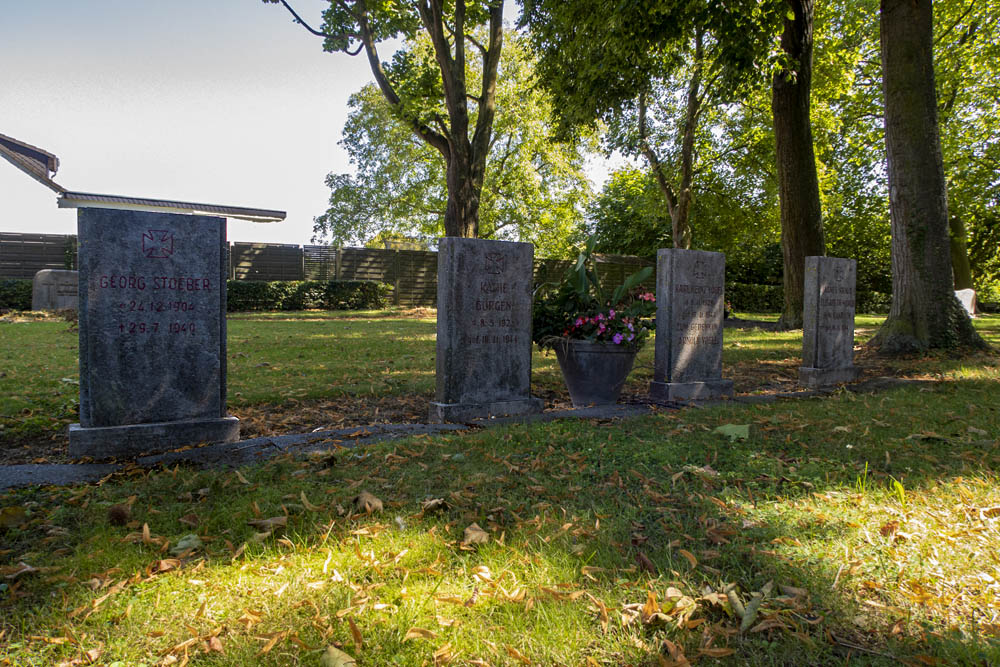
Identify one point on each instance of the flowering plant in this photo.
(579, 308)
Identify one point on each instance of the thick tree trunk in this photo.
(960, 265)
(798, 185)
(461, 217)
(925, 313)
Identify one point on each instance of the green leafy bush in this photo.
(307, 294)
(15, 294)
(749, 298)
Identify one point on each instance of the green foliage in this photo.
(15, 294)
(245, 295)
(534, 188)
(628, 216)
(580, 307)
(754, 298)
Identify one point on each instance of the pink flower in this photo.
(601, 327)
(600, 316)
(579, 321)
(618, 338)
(611, 313)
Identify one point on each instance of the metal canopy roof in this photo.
(42, 165)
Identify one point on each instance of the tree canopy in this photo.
(534, 187)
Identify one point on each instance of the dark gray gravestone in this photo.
(828, 322)
(483, 330)
(152, 333)
(55, 289)
(690, 305)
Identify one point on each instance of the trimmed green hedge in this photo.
(15, 294)
(306, 294)
(770, 299)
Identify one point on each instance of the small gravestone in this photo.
(152, 333)
(828, 322)
(967, 297)
(483, 330)
(54, 289)
(690, 304)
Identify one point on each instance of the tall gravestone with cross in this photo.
(690, 306)
(152, 332)
(828, 322)
(483, 330)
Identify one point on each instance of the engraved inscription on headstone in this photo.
(54, 289)
(483, 330)
(152, 332)
(828, 322)
(690, 301)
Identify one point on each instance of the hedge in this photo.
(770, 299)
(15, 294)
(306, 294)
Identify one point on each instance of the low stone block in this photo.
(55, 289)
(134, 439)
(691, 391)
(824, 377)
(483, 330)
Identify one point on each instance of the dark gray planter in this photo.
(595, 373)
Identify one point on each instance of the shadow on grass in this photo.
(579, 515)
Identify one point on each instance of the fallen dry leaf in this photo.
(334, 657)
(419, 633)
(475, 535)
(367, 503)
(269, 525)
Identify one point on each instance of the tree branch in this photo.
(318, 33)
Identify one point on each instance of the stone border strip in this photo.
(260, 449)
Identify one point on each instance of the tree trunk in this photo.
(461, 217)
(925, 313)
(960, 265)
(798, 185)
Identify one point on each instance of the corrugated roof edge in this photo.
(93, 200)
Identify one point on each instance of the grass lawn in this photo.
(860, 529)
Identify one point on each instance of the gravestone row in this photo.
(152, 297)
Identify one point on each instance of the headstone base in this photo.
(823, 377)
(691, 391)
(466, 412)
(134, 439)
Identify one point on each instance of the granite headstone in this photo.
(828, 322)
(483, 330)
(690, 304)
(152, 332)
(54, 289)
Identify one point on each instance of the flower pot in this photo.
(594, 373)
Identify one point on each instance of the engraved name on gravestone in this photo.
(54, 289)
(828, 322)
(152, 332)
(483, 330)
(690, 302)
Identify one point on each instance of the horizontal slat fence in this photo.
(412, 273)
(24, 255)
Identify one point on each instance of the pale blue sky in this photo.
(214, 101)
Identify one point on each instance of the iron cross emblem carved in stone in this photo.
(157, 243)
(496, 262)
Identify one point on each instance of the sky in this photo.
(212, 101)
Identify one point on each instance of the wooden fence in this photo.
(412, 273)
(24, 255)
